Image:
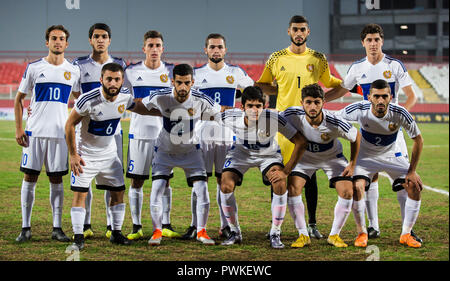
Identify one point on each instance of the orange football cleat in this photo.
(408, 240)
(361, 240)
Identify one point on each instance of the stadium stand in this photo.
(437, 77)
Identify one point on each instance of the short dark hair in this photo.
(371, 28)
(298, 19)
(113, 67)
(153, 34)
(56, 27)
(183, 70)
(215, 36)
(312, 90)
(252, 93)
(99, 25)
(380, 84)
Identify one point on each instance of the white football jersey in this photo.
(221, 85)
(180, 119)
(258, 139)
(379, 134)
(90, 71)
(323, 141)
(99, 124)
(392, 70)
(50, 86)
(142, 80)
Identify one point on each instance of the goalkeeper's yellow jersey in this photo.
(294, 71)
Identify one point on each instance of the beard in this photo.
(299, 44)
(108, 91)
(215, 60)
(315, 116)
(56, 52)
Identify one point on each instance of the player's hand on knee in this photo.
(413, 180)
(22, 138)
(348, 171)
(275, 176)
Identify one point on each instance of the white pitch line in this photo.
(424, 186)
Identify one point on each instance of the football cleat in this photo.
(275, 241)
(408, 239)
(167, 231)
(156, 238)
(58, 234)
(137, 233)
(336, 241)
(191, 233)
(414, 235)
(225, 232)
(373, 233)
(78, 242)
(87, 231)
(25, 235)
(234, 238)
(314, 232)
(361, 240)
(108, 232)
(203, 237)
(301, 241)
(118, 238)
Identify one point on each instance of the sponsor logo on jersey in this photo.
(121, 108)
(393, 126)
(387, 74)
(310, 67)
(230, 79)
(191, 111)
(325, 137)
(164, 78)
(67, 75)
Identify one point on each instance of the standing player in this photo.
(322, 128)
(293, 68)
(50, 80)
(142, 78)
(177, 146)
(255, 146)
(220, 82)
(95, 155)
(90, 68)
(377, 65)
(380, 123)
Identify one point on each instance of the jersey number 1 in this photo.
(298, 81)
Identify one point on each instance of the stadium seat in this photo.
(438, 79)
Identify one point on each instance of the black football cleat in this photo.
(78, 242)
(25, 235)
(118, 238)
(58, 234)
(225, 232)
(417, 238)
(234, 238)
(191, 233)
(314, 232)
(373, 233)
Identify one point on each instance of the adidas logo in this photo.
(363, 76)
(282, 68)
(100, 114)
(204, 81)
(139, 79)
(42, 75)
(87, 74)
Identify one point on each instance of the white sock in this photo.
(27, 202)
(77, 215)
(57, 202)
(371, 197)
(341, 211)
(107, 198)
(412, 208)
(87, 218)
(223, 219)
(158, 187)
(117, 215)
(201, 190)
(229, 208)
(193, 208)
(402, 196)
(278, 212)
(297, 210)
(167, 205)
(136, 199)
(358, 213)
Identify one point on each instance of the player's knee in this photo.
(55, 180)
(227, 186)
(116, 197)
(135, 183)
(413, 191)
(30, 178)
(279, 187)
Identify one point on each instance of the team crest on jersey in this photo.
(230, 79)
(121, 108)
(325, 137)
(310, 67)
(393, 126)
(164, 78)
(67, 75)
(191, 111)
(387, 74)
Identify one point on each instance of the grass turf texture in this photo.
(254, 215)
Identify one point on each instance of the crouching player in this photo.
(255, 146)
(95, 155)
(380, 123)
(324, 151)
